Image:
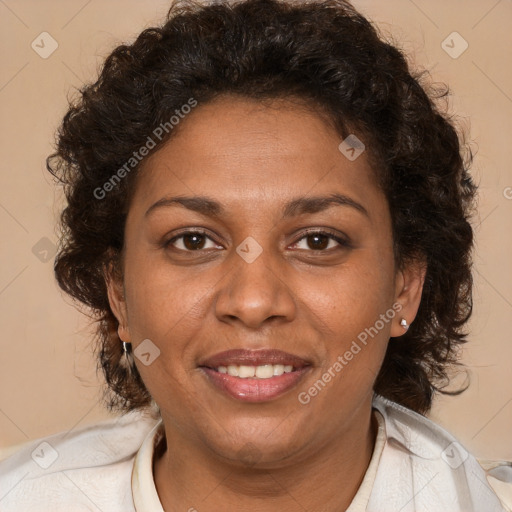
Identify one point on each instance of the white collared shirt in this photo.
(416, 466)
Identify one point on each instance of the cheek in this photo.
(167, 304)
(348, 306)
(352, 296)
(163, 307)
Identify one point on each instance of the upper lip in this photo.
(254, 358)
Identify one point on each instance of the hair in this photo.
(327, 55)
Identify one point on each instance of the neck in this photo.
(187, 478)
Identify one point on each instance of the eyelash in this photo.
(327, 233)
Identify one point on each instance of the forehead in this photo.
(245, 152)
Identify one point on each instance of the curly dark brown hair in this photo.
(330, 56)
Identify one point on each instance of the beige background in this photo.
(47, 376)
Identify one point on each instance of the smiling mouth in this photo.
(266, 371)
(254, 375)
(250, 386)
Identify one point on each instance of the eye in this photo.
(320, 240)
(190, 241)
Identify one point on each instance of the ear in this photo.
(408, 289)
(117, 301)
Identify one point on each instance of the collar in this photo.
(413, 432)
(144, 493)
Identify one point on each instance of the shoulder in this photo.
(88, 467)
(425, 457)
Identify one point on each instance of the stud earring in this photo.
(403, 323)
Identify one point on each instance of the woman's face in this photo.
(255, 279)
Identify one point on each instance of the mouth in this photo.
(254, 358)
(254, 376)
(254, 389)
(265, 371)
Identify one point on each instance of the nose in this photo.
(255, 292)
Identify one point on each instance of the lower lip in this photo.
(253, 389)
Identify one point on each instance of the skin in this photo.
(197, 297)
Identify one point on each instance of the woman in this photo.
(268, 215)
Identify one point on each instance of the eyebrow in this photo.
(298, 206)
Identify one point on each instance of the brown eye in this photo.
(317, 242)
(193, 241)
(190, 241)
(321, 241)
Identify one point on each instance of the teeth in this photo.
(246, 371)
(265, 371)
(279, 369)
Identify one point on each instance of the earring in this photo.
(403, 323)
(127, 358)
